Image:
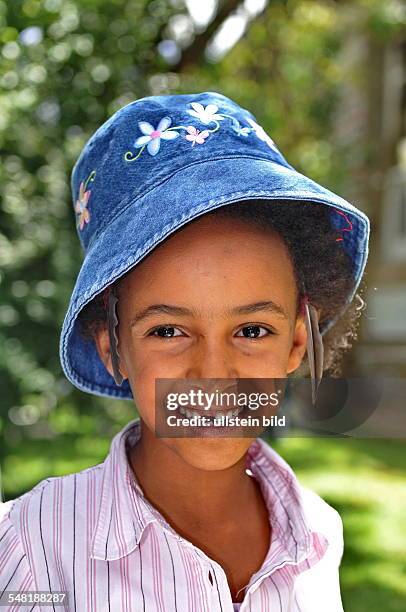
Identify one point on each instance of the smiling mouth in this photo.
(190, 412)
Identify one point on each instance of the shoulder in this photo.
(14, 565)
(5, 507)
(30, 518)
(63, 487)
(36, 527)
(323, 518)
(318, 588)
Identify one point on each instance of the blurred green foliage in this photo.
(67, 65)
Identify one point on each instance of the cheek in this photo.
(152, 359)
(267, 361)
(147, 365)
(270, 367)
(144, 399)
(141, 377)
(144, 369)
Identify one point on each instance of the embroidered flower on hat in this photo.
(151, 137)
(241, 131)
(81, 203)
(195, 136)
(205, 115)
(260, 132)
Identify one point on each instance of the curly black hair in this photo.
(320, 264)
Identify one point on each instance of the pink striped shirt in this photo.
(95, 535)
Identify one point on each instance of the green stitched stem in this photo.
(90, 178)
(182, 127)
(130, 153)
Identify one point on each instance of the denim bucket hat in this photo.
(153, 166)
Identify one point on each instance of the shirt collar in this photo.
(124, 512)
(283, 497)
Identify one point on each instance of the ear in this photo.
(103, 348)
(102, 342)
(299, 343)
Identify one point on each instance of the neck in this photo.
(189, 497)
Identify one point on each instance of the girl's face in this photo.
(184, 312)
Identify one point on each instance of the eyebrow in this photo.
(263, 306)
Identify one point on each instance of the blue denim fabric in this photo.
(130, 192)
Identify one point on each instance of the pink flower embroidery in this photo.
(82, 201)
(195, 136)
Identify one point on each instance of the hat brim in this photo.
(147, 220)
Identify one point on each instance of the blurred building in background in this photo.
(371, 123)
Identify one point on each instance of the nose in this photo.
(212, 360)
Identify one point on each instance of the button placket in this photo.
(220, 583)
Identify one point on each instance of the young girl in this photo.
(207, 256)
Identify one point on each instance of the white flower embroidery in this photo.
(242, 131)
(153, 136)
(206, 115)
(260, 132)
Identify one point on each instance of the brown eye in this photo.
(253, 331)
(165, 331)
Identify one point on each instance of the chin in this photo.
(211, 453)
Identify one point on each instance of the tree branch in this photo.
(195, 52)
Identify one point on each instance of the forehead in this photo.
(213, 250)
(213, 228)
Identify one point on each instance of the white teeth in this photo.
(192, 413)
